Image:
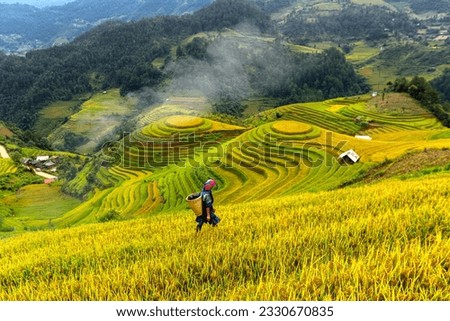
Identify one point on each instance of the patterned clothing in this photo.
(207, 202)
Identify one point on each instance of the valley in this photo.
(283, 151)
(329, 145)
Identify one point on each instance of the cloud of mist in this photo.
(236, 61)
(240, 64)
(223, 71)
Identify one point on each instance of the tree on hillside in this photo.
(420, 89)
(442, 84)
(302, 77)
(197, 48)
(227, 104)
(229, 13)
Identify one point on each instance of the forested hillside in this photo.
(24, 27)
(419, 89)
(442, 84)
(157, 52)
(118, 54)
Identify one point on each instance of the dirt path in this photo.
(45, 175)
(3, 152)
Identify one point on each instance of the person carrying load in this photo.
(205, 212)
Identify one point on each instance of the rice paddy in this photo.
(7, 166)
(388, 241)
(288, 232)
(169, 158)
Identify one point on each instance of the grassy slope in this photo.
(373, 2)
(37, 205)
(5, 131)
(397, 60)
(410, 165)
(54, 115)
(361, 52)
(388, 241)
(98, 118)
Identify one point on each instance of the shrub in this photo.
(112, 215)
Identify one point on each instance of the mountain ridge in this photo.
(24, 27)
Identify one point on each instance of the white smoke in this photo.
(231, 58)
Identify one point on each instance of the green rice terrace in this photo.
(280, 152)
(97, 118)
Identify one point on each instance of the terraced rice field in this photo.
(175, 105)
(97, 119)
(131, 194)
(294, 149)
(268, 162)
(172, 140)
(284, 235)
(387, 241)
(320, 117)
(7, 166)
(387, 123)
(265, 161)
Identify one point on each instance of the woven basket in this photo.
(195, 203)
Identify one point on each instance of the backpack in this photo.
(195, 203)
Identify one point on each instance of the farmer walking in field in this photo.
(208, 213)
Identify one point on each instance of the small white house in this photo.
(349, 156)
(42, 158)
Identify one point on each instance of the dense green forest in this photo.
(308, 77)
(442, 84)
(119, 54)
